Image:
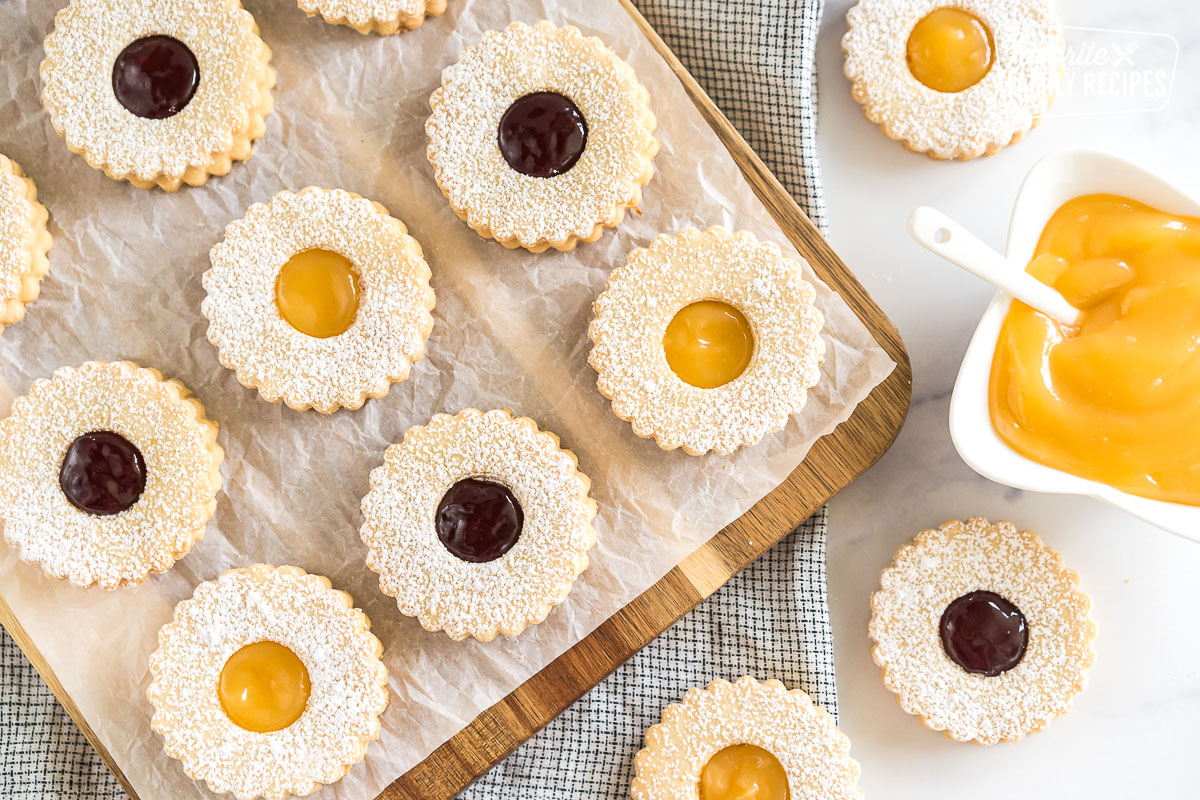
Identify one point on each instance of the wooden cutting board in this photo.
(834, 461)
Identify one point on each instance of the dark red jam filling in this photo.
(479, 520)
(984, 633)
(542, 134)
(155, 77)
(103, 473)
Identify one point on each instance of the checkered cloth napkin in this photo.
(755, 58)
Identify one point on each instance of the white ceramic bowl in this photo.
(1053, 181)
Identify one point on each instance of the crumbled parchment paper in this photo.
(510, 332)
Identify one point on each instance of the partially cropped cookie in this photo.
(478, 523)
(954, 80)
(24, 242)
(319, 298)
(707, 340)
(108, 473)
(267, 683)
(747, 739)
(981, 631)
(375, 16)
(541, 137)
(158, 93)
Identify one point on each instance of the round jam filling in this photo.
(317, 293)
(950, 50)
(743, 772)
(479, 520)
(155, 77)
(542, 134)
(984, 633)
(708, 344)
(103, 473)
(263, 687)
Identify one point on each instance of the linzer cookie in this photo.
(108, 473)
(541, 137)
(24, 242)
(747, 739)
(318, 298)
(981, 631)
(267, 683)
(157, 93)
(375, 16)
(478, 523)
(707, 340)
(957, 80)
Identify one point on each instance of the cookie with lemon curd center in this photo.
(267, 683)
(706, 340)
(954, 80)
(746, 740)
(319, 299)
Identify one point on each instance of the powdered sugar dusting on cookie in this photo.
(644, 294)
(940, 566)
(182, 477)
(24, 241)
(395, 299)
(374, 16)
(814, 754)
(478, 599)
(518, 209)
(981, 119)
(222, 118)
(348, 682)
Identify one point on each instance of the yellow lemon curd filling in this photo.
(950, 50)
(743, 772)
(1116, 398)
(317, 293)
(708, 344)
(263, 687)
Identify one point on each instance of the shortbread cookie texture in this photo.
(267, 683)
(707, 340)
(319, 298)
(954, 81)
(541, 137)
(158, 94)
(981, 631)
(745, 739)
(24, 242)
(108, 473)
(478, 523)
(375, 16)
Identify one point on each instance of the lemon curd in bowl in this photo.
(1115, 398)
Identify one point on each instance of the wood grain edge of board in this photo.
(501, 728)
(19, 635)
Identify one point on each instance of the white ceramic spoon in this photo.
(944, 237)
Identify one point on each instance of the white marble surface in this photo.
(1133, 732)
